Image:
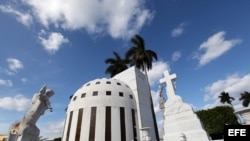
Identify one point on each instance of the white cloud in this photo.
(118, 18)
(3, 128)
(24, 18)
(214, 47)
(18, 103)
(178, 30)
(7, 83)
(14, 64)
(155, 74)
(233, 84)
(53, 42)
(24, 80)
(176, 56)
(54, 129)
(155, 98)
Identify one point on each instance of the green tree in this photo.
(226, 98)
(117, 65)
(142, 59)
(215, 118)
(245, 98)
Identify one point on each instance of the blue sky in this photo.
(63, 44)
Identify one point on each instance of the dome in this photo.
(103, 92)
(102, 110)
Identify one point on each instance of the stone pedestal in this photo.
(181, 123)
(30, 133)
(12, 137)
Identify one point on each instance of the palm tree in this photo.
(117, 65)
(245, 97)
(139, 56)
(142, 59)
(225, 98)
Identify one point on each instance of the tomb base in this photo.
(181, 123)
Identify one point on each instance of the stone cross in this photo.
(169, 80)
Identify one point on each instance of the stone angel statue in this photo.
(28, 131)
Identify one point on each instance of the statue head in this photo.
(49, 92)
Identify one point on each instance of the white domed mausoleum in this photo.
(112, 109)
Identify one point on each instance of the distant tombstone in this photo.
(28, 131)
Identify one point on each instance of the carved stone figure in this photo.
(28, 131)
(161, 100)
(183, 137)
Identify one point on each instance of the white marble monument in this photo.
(27, 129)
(180, 121)
(112, 109)
(244, 114)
